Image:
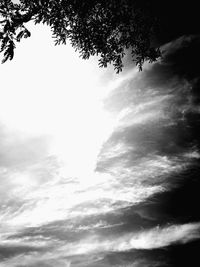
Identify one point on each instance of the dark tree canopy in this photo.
(106, 28)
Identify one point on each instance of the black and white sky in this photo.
(99, 169)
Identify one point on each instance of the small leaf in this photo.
(19, 36)
(27, 33)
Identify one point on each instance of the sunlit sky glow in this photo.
(57, 95)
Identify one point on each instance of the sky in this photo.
(99, 169)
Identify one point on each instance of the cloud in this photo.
(50, 202)
(146, 175)
(95, 248)
(23, 158)
(182, 56)
(19, 150)
(153, 238)
(157, 117)
(25, 165)
(36, 259)
(162, 236)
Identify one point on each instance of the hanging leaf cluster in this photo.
(94, 27)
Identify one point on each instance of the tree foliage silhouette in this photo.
(106, 28)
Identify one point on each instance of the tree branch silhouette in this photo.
(107, 29)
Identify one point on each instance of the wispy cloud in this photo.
(157, 237)
(51, 202)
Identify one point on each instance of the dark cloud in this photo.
(169, 90)
(181, 203)
(9, 251)
(182, 57)
(173, 256)
(159, 137)
(136, 258)
(174, 80)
